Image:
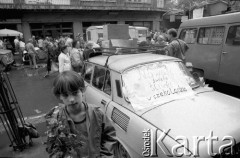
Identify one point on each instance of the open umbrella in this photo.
(7, 32)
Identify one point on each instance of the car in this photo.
(159, 110)
(6, 58)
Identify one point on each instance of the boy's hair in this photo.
(63, 48)
(67, 83)
(172, 32)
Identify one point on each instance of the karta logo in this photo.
(182, 144)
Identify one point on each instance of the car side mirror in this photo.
(189, 66)
(199, 79)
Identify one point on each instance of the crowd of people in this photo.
(165, 43)
(70, 53)
(65, 51)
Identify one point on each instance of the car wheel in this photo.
(121, 152)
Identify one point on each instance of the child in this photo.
(82, 129)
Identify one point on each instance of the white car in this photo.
(158, 109)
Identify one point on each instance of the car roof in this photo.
(119, 63)
(213, 20)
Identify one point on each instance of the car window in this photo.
(98, 77)
(107, 84)
(89, 35)
(211, 35)
(233, 37)
(88, 69)
(156, 83)
(189, 35)
(118, 88)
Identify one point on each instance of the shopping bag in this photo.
(54, 67)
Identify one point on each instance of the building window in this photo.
(51, 29)
(189, 35)
(160, 3)
(211, 35)
(233, 37)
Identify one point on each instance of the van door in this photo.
(230, 65)
(206, 53)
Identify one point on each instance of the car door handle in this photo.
(103, 102)
(224, 52)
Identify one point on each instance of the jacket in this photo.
(101, 134)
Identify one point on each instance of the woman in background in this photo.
(64, 60)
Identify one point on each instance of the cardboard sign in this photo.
(155, 83)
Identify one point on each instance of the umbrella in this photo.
(7, 32)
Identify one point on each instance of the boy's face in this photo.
(72, 100)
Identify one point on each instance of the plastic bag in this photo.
(54, 67)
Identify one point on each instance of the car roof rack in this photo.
(128, 50)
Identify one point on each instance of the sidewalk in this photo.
(35, 98)
(38, 150)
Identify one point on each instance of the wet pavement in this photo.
(35, 98)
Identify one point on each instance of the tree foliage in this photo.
(188, 4)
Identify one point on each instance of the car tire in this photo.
(121, 152)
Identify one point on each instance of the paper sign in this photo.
(155, 83)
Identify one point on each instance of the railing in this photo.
(81, 4)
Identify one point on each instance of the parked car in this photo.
(6, 58)
(157, 106)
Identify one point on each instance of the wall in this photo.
(88, 16)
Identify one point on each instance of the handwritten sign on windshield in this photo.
(155, 83)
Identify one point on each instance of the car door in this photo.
(130, 127)
(230, 65)
(98, 92)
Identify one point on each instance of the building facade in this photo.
(69, 17)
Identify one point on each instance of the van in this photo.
(214, 47)
(96, 32)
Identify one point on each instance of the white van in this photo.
(214, 44)
(96, 32)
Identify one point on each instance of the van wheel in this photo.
(121, 152)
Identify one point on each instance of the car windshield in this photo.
(157, 83)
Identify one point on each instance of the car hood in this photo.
(199, 115)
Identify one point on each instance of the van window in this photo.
(100, 35)
(88, 69)
(211, 35)
(98, 77)
(142, 33)
(233, 37)
(89, 35)
(189, 35)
